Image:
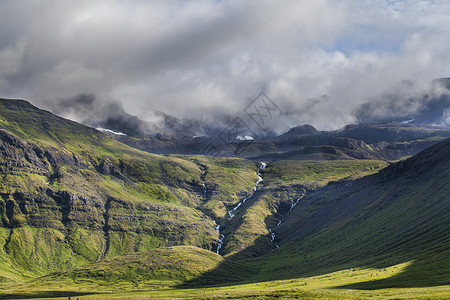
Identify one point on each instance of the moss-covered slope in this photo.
(70, 195)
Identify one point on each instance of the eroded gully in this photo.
(232, 212)
(271, 230)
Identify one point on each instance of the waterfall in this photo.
(231, 213)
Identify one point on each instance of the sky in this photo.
(200, 57)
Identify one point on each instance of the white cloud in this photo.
(188, 56)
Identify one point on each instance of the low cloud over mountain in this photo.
(200, 58)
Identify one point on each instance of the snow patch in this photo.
(244, 138)
(109, 131)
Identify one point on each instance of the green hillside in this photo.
(399, 215)
(71, 195)
(84, 215)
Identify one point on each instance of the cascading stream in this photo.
(203, 184)
(205, 190)
(221, 238)
(231, 213)
(271, 233)
(294, 204)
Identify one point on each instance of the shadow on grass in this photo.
(429, 267)
(374, 222)
(425, 272)
(238, 269)
(43, 294)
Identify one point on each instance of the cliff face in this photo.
(68, 198)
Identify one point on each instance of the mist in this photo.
(320, 61)
(420, 103)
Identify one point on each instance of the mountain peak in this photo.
(302, 129)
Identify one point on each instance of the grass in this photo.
(83, 215)
(101, 198)
(314, 174)
(327, 286)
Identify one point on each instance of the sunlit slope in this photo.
(161, 266)
(247, 233)
(72, 195)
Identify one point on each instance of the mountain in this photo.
(82, 213)
(226, 136)
(400, 214)
(72, 195)
(388, 230)
(387, 141)
(110, 117)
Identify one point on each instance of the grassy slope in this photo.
(284, 182)
(71, 195)
(104, 282)
(227, 181)
(382, 221)
(157, 269)
(169, 189)
(313, 174)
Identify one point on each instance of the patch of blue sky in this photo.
(368, 39)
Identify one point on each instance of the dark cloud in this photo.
(206, 57)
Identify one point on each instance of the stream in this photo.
(294, 204)
(231, 213)
(221, 237)
(203, 184)
(271, 233)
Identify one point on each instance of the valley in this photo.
(224, 149)
(358, 213)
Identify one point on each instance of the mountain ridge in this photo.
(75, 199)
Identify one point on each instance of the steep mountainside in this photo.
(84, 210)
(319, 218)
(110, 115)
(70, 194)
(401, 214)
